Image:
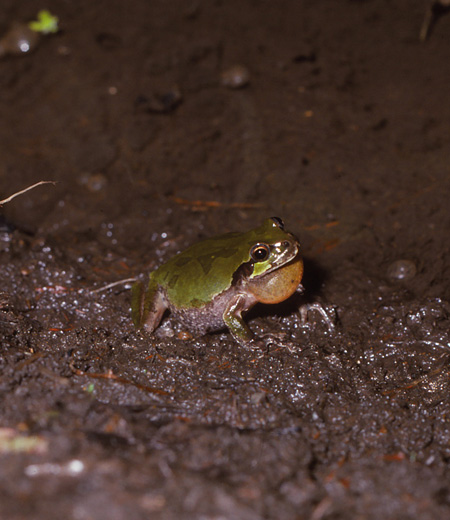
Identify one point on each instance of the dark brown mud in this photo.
(343, 130)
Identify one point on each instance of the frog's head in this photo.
(273, 247)
(276, 262)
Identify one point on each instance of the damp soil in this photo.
(341, 126)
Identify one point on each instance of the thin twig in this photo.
(119, 379)
(113, 284)
(14, 195)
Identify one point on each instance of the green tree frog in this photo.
(212, 283)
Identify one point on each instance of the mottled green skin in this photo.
(210, 284)
(195, 276)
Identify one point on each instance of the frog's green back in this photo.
(195, 276)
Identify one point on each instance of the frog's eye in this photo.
(260, 252)
(278, 221)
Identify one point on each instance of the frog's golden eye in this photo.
(260, 252)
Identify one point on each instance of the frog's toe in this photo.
(266, 341)
(256, 344)
(273, 337)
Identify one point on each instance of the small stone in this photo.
(20, 39)
(402, 270)
(94, 182)
(236, 76)
(162, 102)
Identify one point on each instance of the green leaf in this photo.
(46, 23)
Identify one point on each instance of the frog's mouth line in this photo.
(285, 258)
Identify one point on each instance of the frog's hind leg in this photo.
(147, 307)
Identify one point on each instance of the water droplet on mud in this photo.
(402, 270)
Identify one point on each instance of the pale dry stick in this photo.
(113, 284)
(14, 195)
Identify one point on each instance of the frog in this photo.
(213, 283)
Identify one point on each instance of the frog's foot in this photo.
(147, 307)
(330, 322)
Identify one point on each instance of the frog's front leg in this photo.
(147, 307)
(232, 318)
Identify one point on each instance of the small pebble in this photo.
(402, 270)
(162, 102)
(94, 182)
(258, 397)
(236, 76)
(20, 39)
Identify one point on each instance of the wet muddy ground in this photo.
(343, 130)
